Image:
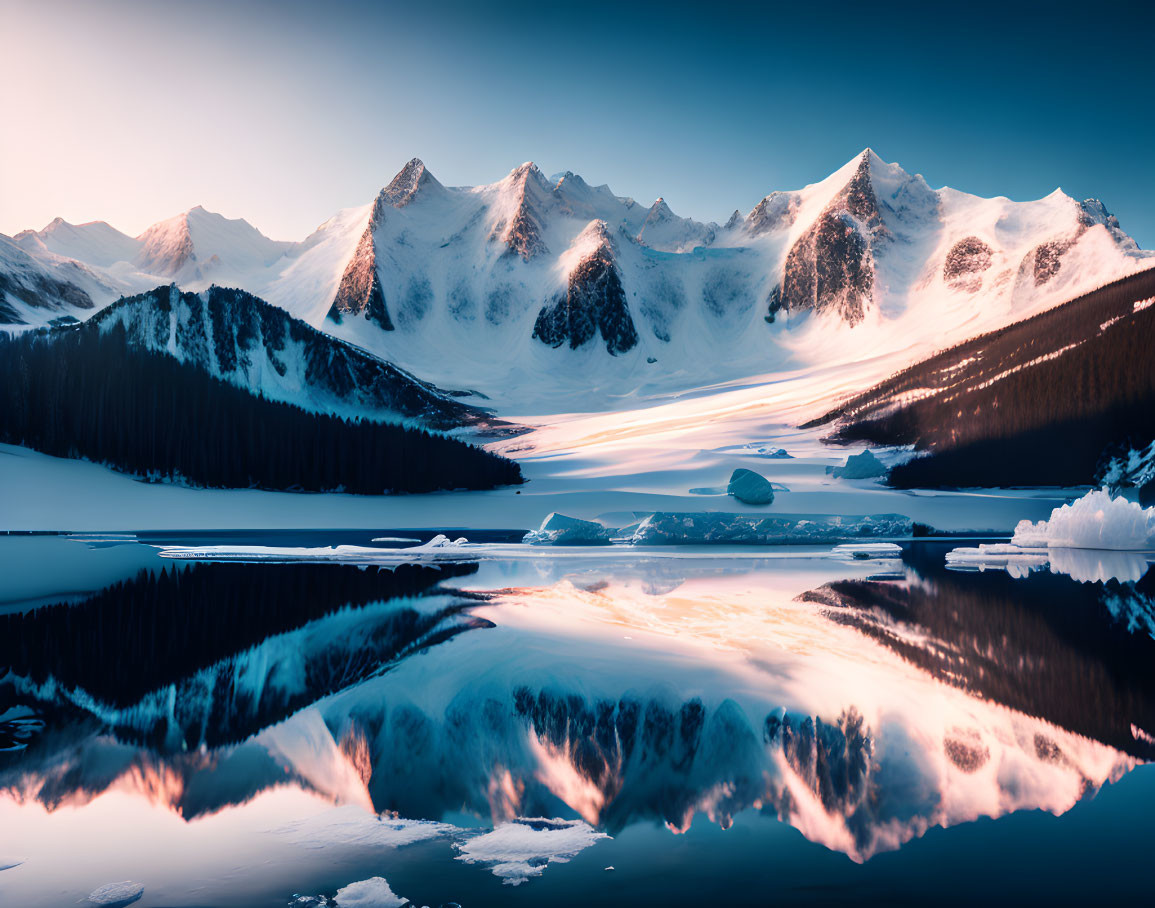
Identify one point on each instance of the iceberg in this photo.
(750, 487)
(1093, 539)
(116, 895)
(1095, 521)
(712, 528)
(860, 466)
(558, 529)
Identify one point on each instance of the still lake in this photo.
(573, 727)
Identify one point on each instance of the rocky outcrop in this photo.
(1048, 259)
(360, 291)
(522, 231)
(775, 212)
(593, 303)
(831, 268)
(966, 262)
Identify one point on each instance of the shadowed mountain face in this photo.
(247, 342)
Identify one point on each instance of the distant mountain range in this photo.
(513, 274)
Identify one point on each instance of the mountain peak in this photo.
(403, 188)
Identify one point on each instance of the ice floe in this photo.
(861, 551)
(350, 825)
(522, 849)
(116, 895)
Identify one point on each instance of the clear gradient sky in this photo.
(282, 113)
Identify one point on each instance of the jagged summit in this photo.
(414, 177)
(451, 272)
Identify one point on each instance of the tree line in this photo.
(1035, 403)
(90, 394)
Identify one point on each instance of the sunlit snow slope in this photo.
(550, 293)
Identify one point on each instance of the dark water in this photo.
(718, 728)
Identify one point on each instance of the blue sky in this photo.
(284, 112)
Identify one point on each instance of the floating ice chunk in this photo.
(351, 826)
(1095, 521)
(1084, 565)
(439, 548)
(679, 528)
(750, 487)
(394, 539)
(558, 529)
(1016, 561)
(860, 551)
(860, 466)
(524, 848)
(116, 895)
(7, 862)
(371, 893)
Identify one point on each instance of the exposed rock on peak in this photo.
(359, 291)
(593, 302)
(966, 262)
(831, 266)
(522, 231)
(411, 179)
(775, 212)
(734, 220)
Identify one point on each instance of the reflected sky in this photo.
(405, 722)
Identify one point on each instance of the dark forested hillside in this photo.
(261, 348)
(1036, 403)
(93, 395)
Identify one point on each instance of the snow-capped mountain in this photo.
(34, 291)
(96, 242)
(249, 343)
(199, 245)
(533, 277)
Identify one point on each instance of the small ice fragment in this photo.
(861, 551)
(371, 893)
(116, 895)
(394, 539)
(611, 867)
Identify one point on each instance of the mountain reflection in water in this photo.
(860, 711)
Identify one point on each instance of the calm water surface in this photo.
(590, 727)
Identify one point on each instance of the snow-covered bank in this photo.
(38, 492)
